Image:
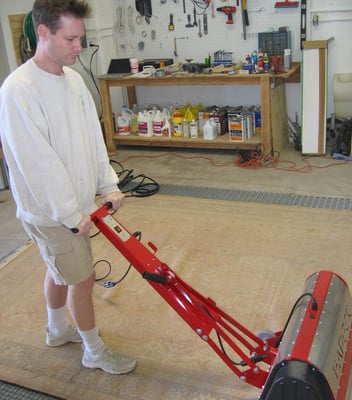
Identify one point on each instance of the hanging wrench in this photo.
(194, 17)
(175, 43)
(200, 34)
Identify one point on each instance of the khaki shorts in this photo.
(67, 256)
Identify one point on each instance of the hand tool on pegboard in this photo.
(144, 7)
(200, 34)
(171, 26)
(175, 44)
(228, 10)
(245, 19)
(195, 17)
(303, 21)
(189, 23)
(205, 24)
(286, 4)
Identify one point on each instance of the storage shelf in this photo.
(273, 97)
(221, 142)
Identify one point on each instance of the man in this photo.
(53, 144)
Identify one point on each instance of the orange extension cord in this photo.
(255, 160)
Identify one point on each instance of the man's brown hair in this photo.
(48, 12)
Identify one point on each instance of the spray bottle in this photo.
(166, 128)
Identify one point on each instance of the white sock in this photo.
(57, 322)
(93, 343)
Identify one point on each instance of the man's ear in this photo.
(43, 31)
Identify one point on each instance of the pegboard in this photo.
(121, 33)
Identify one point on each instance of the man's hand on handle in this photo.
(115, 199)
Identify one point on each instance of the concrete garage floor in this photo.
(292, 173)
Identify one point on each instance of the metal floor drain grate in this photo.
(290, 199)
(9, 391)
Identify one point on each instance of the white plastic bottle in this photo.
(185, 128)
(193, 129)
(287, 59)
(166, 113)
(209, 130)
(123, 126)
(158, 122)
(127, 113)
(145, 124)
(166, 128)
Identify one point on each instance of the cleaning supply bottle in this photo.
(123, 126)
(158, 122)
(209, 130)
(187, 119)
(266, 60)
(165, 113)
(145, 124)
(254, 57)
(287, 59)
(166, 128)
(127, 113)
(134, 120)
(193, 129)
(177, 119)
(260, 63)
(185, 128)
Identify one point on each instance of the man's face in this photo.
(63, 47)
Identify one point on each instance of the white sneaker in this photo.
(109, 361)
(71, 335)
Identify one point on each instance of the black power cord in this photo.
(134, 186)
(257, 359)
(314, 307)
(110, 284)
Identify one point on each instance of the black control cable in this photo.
(257, 359)
(134, 185)
(110, 283)
(314, 307)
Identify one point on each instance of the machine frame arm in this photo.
(208, 321)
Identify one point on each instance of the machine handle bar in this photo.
(155, 277)
(107, 206)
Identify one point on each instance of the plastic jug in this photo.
(209, 130)
(123, 126)
(158, 122)
(177, 118)
(128, 114)
(165, 113)
(145, 124)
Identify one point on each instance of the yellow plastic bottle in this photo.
(177, 118)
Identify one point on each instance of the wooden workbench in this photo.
(273, 135)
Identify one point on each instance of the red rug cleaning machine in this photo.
(310, 359)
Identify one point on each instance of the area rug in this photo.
(251, 258)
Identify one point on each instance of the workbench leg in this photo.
(279, 131)
(266, 132)
(107, 116)
(132, 96)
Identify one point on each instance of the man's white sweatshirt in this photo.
(53, 145)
